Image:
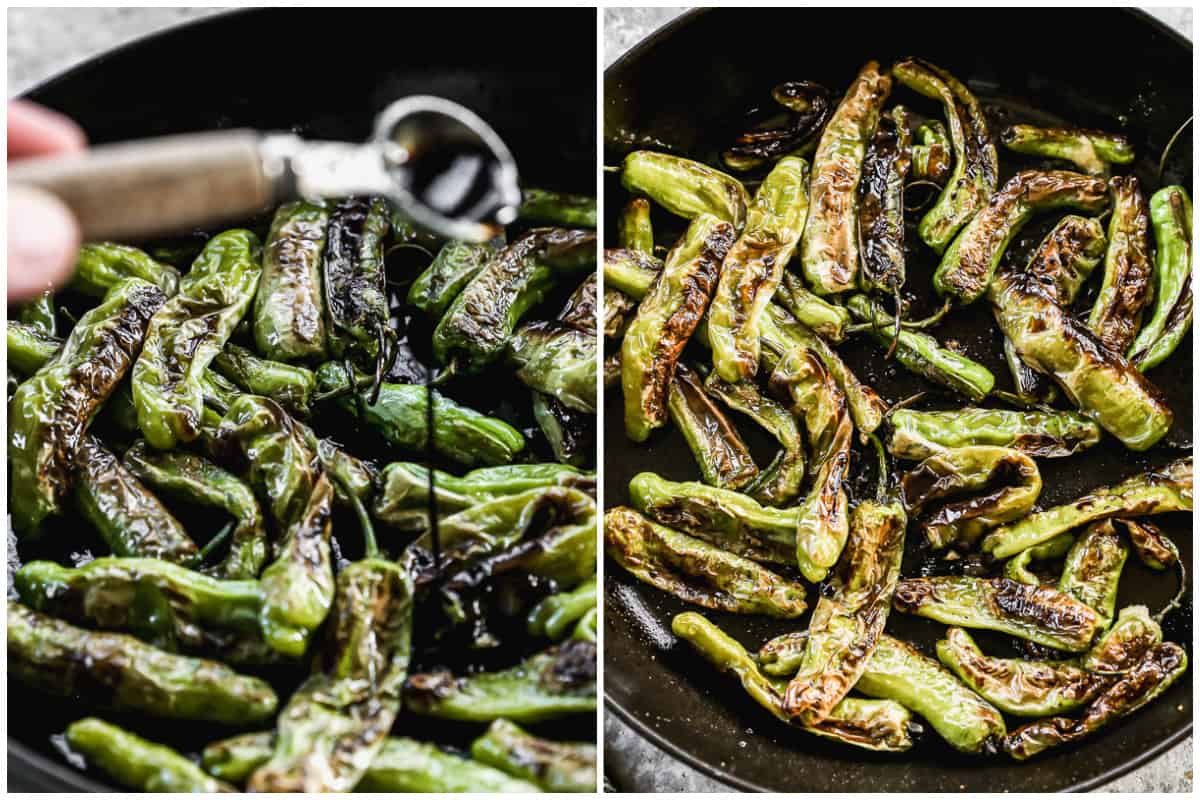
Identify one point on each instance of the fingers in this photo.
(42, 242)
(35, 131)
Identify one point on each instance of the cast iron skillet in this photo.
(324, 73)
(686, 88)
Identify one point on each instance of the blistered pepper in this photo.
(1092, 151)
(1171, 215)
(684, 187)
(1125, 290)
(289, 314)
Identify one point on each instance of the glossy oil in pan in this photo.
(687, 88)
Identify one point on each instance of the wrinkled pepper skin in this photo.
(686, 188)
(548, 685)
(809, 109)
(754, 266)
(904, 676)
(1100, 383)
(1039, 614)
(932, 154)
(697, 572)
(880, 725)
(1153, 547)
(973, 179)
(29, 347)
(451, 269)
(924, 355)
(552, 616)
(968, 265)
(571, 433)
(166, 605)
(1090, 151)
(544, 207)
(728, 519)
(1015, 686)
(554, 766)
(666, 319)
(102, 265)
(130, 519)
(336, 723)
(1171, 215)
(290, 385)
(126, 674)
(824, 318)
(289, 315)
(188, 332)
(1153, 675)
(354, 279)
(1123, 645)
(49, 414)
(476, 328)
(850, 613)
(40, 314)
(581, 311)
(1093, 569)
(136, 763)
(194, 479)
(1126, 289)
(881, 204)
(723, 458)
(829, 250)
(1017, 567)
(1042, 434)
(557, 359)
(459, 433)
(634, 229)
(1004, 483)
(630, 272)
(1155, 491)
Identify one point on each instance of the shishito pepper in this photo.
(124, 673)
(136, 763)
(968, 265)
(686, 188)
(881, 204)
(290, 385)
(451, 269)
(634, 229)
(102, 265)
(40, 314)
(49, 414)
(544, 207)
(354, 279)
(1171, 215)
(554, 615)
(1102, 384)
(808, 109)
(289, 317)
(1124, 644)
(1017, 567)
(666, 319)
(976, 167)
(753, 268)
(1092, 151)
(932, 153)
(829, 250)
(188, 332)
(479, 323)
(554, 766)
(557, 359)
(29, 347)
(1126, 288)
(1043, 434)
(571, 434)
(824, 318)
(723, 458)
(1093, 569)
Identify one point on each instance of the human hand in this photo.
(42, 235)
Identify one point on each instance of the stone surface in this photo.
(632, 763)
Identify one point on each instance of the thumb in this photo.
(43, 239)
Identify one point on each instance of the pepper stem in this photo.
(370, 543)
(881, 487)
(213, 544)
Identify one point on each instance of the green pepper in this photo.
(932, 153)
(792, 133)
(881, 204)
(1171, 215)
(1093, 569)
(544, 207)
(1126, 288)
(552, 616)
(1043, 434)
(1091, 151)
(924, 355)
(49, 414)
(354, 279)
(40, 314)
(1124, 644)
(686, 188)
(1159, 668)
(188, 332)
(399, 415)
(753, 268)
(451, 269)
(571, 434)
(195, 479)
(1102, 384)
(824, 318)
(289, 316)
(136, 763)
(1155, 491)
(585, 629)
(553, 683)
(722, 456)
(1016, 686)
(1153, 547)
(167, 605)
(666, 319)
(102, 265)
(851, 611)
(124, 673)
(580, 310)
(335, 725)
(968, 265)
(29, 347)
(779, 483)
(476, 328)
(1017, 567)
(697, 572)
(289, 385)
(880, 725)
(1008, 482)
(1039, 614)
(973, 179)
(634, 229)
(554, 766)
(558, 360)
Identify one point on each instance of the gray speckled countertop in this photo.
(634, 764)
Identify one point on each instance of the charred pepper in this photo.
(451, 269)
(544, 207)
(1091, 151)
(686, 188)
(554, 766)
(1126, 289)
(881, 204)
(1043, 434)
(102, 265)
(1171, 215)
(290, 385)
(1093, 569)
(289, 316)
(723, 458)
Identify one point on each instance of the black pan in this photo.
(688, 87)
(324, 73)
